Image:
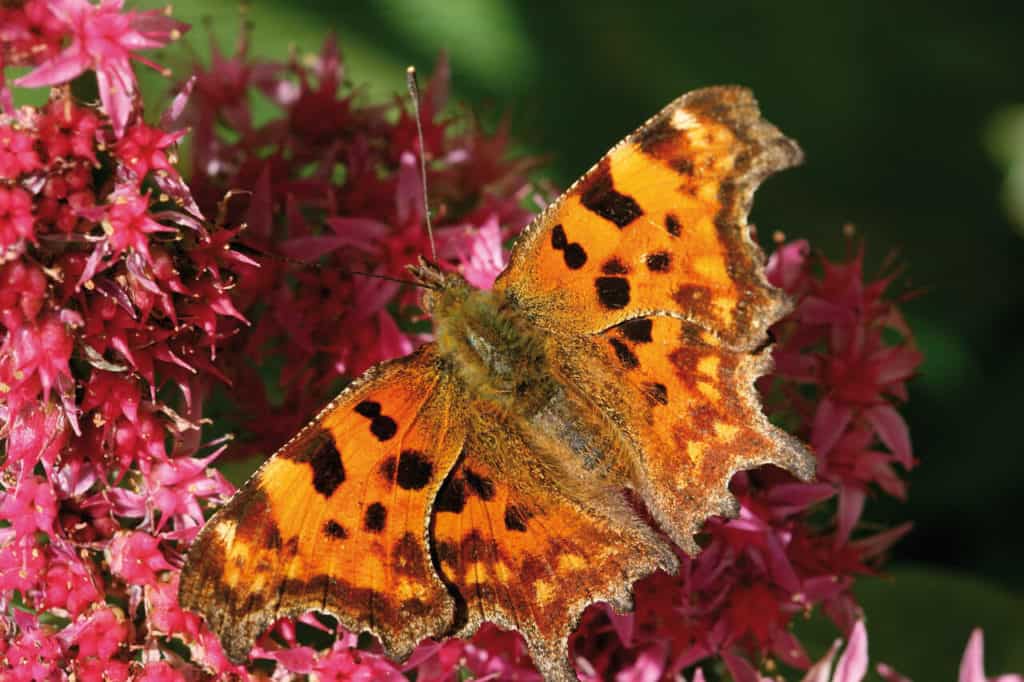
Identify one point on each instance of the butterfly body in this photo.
(491, 346)
(481, 478)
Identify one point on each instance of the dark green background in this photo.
(898, 108)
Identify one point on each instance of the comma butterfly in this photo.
(481, 478)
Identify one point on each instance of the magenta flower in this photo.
(17, 154)
(480, 253)
(136, 558)
(100, 635)
(16, 220)
(32, 651)
(40, 353)
(128, 221)
(69, 586)
(31, 507)
(104, 40)
(144, 149)
(22, 288)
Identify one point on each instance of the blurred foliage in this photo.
(1005, 141)
(910, 114)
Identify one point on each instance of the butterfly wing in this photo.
(527, 549)
(337, 520)
(659, 224)
(646, 270)
(694, 414)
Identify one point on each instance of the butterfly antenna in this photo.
(414, 93)
(318, 266)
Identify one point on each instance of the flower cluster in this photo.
(122, 305)
(130, 293)
(112, 302)
(336, 183)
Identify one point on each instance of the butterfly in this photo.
(482, 477)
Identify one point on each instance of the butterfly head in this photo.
(443, 291)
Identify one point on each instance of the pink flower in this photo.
(481, 254)
(142, 149)
(22, 562)
(22, 288)
(972, 665)
(16, 219)
(35, 649)
(129, 223)
(99, 635)
(68, 130)
(176, 485)
(31, 507)
(136, 558)
(853, 664)
(69, 586)
(165, 615)
(17, 154)
(42, 351)
(104, 39)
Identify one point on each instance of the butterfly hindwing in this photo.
(659, 224)
(337, 520)
(527, 553)
(696, 417)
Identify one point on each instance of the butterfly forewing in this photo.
(659, 224)
(337, 520)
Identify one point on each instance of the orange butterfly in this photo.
(481, 478)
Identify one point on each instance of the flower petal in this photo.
(56, 70)
(972, 665)
(853, 664)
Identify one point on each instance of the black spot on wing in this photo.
(558, 239)
(414, 470)
(383, 427)
(658, 262)
(328, 469)
(516, 518)
(482, 486)
(625, 355)
(672, 225)
(368, 408)
(388, 468)
(682, 165)
(575, 256)
(656, 393)
(612, 292)
(333, 529)
(637, 331)
(375, 518)
(572, 252)
(599, 196)
(613, 266)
